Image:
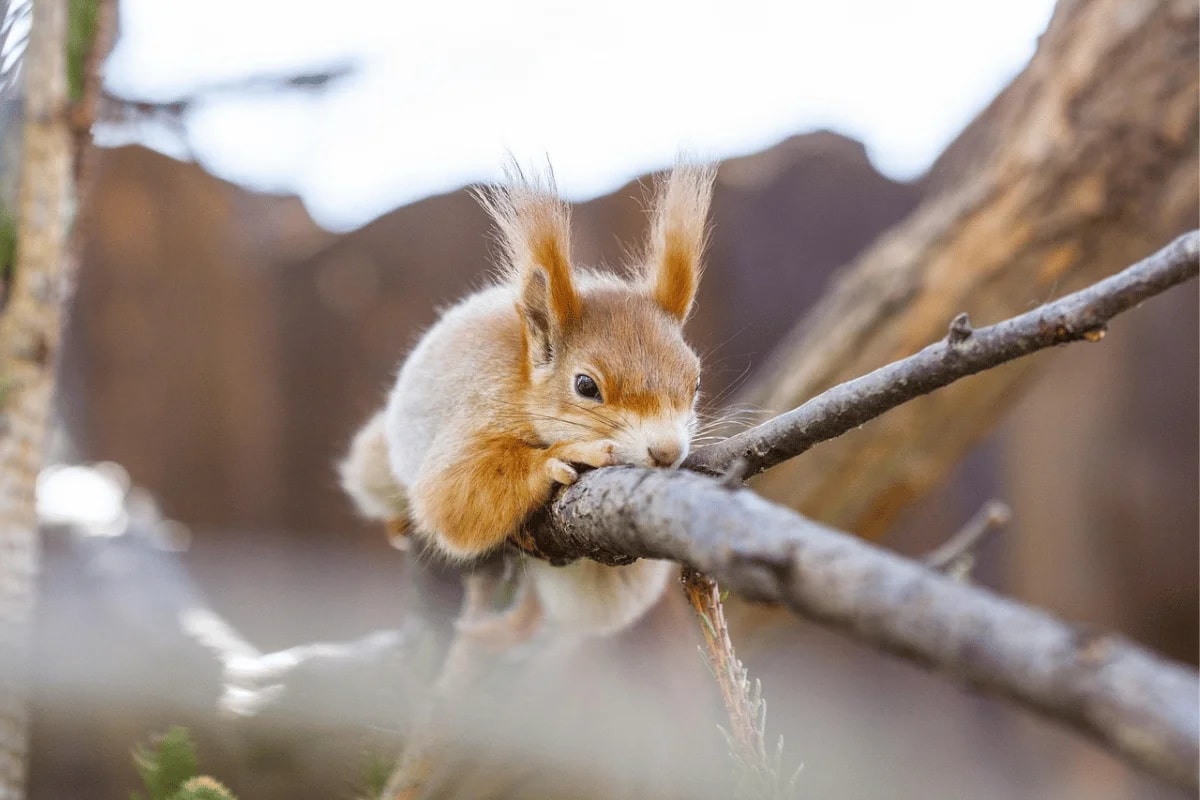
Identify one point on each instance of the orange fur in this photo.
(534, 226)
(477, 501)
(678, 237)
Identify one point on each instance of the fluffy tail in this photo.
(366, 475)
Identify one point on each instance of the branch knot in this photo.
(960, 329)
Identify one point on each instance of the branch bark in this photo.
(1126, 698)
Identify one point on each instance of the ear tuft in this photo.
(678, 236)
(534, 228)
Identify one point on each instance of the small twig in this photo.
(956, 556)
(758, 776)
(705, 598)
(965, 351)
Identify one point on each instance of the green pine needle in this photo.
(168, 765)
(375, 771)
(8, 248)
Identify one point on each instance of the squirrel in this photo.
(551, 368)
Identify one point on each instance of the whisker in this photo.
(596, 413)
(524, 416)
(732, 386)
(714, 348)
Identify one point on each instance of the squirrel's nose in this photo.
(664, 454)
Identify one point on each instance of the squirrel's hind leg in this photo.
(366, 475)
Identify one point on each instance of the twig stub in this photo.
(960, 329)
(957, 554)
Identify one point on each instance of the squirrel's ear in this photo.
(533, 304)
(678, 235)
(534, 227)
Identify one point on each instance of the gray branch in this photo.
(964, 351)
(1135, 703)
(1128, 699)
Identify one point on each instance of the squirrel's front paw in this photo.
(561, 472)
(600, 453)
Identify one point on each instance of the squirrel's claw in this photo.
(598, 453)
(561, 472)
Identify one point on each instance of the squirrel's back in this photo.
(465, 367)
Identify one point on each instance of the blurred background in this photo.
(278, 211)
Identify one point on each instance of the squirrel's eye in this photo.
(586, 387)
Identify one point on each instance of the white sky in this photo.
(605, 89)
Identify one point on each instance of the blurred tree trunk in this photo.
(29, 336)
(1087, 162)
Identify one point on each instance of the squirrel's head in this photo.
(605, 354)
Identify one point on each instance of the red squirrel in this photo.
(552, 367)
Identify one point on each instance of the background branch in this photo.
(1079, 316)
(29, 335)
(1086, 162)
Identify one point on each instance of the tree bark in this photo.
(1086, 161)
(29, 336)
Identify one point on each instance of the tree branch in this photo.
(964, 351)
(1135, 703)
(29, 334)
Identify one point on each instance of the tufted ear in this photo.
(678, 235)
(534, 228)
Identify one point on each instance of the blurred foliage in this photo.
(375, 770)
(8, 249)
(79, 44)
(169, 769)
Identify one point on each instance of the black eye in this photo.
(586, 387)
